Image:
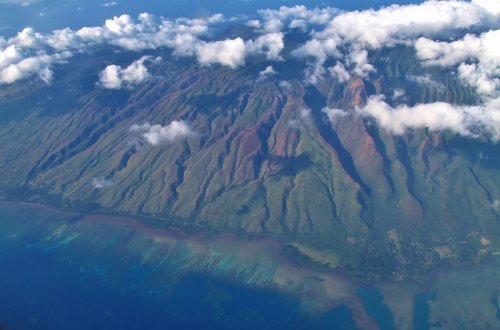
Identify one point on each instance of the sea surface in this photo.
(52, 278)
(66, 270)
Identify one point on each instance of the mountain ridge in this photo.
(265, 156)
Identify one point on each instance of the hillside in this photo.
(261, 155)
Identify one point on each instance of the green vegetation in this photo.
(384, 206)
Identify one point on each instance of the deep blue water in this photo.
(46, 15)
(102, 280)
(60, 289)
(420, 322)
(373, 303)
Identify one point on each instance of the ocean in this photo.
(66, 270)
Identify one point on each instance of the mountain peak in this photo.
(355, 93)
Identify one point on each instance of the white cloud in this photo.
(344, 36)
(24, 3)
(101, 183)
(29, 48)
(319, 50)
(304, 118)
(110, 77)
(426, 80)
(233, 52)
(354, 32)
(358, 59)
(9, 55)
(399, 23)
(268, 71)
(23, 56)
(473, 121)
(339, 72)
(334, 114)
(230, 52)
(270, 44)
(24, 52)
(484, 50)
(254, 23)
(37, 65)
(27, 38)
(477, 62)
(398, 94)
(491, 6)
(136, 72)
(294, 17)
(114, 77)
(298, 24)
(157, 134)
(45, 75)
(109, 4)
(286, 85)
(496, 205)
(484, 81)
(273, 25)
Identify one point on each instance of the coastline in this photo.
(257, 263)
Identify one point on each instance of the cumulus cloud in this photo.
(21, 57)
(157, 134)
(496, 205)
(110, 77)
(36, 65)
(294, 17)
(254, 23)
(184, 36)
(270, 44)
(358, 59)
(114, 77)
(267, 72)
(30, 53)
(399, 23)
(483, 80)
(339, 72)
(274, 21)
(233, 52)
(230, 52)
(377, 28)
(353, 33)
(476, 59)
(334, 114)
(320, 51)
(473, 121)
(434, 28)
(483, 50)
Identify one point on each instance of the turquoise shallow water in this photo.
(47, 284)
(64, 270)
(40, 292)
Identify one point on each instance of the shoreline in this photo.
(158, 223)
(168, 255)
